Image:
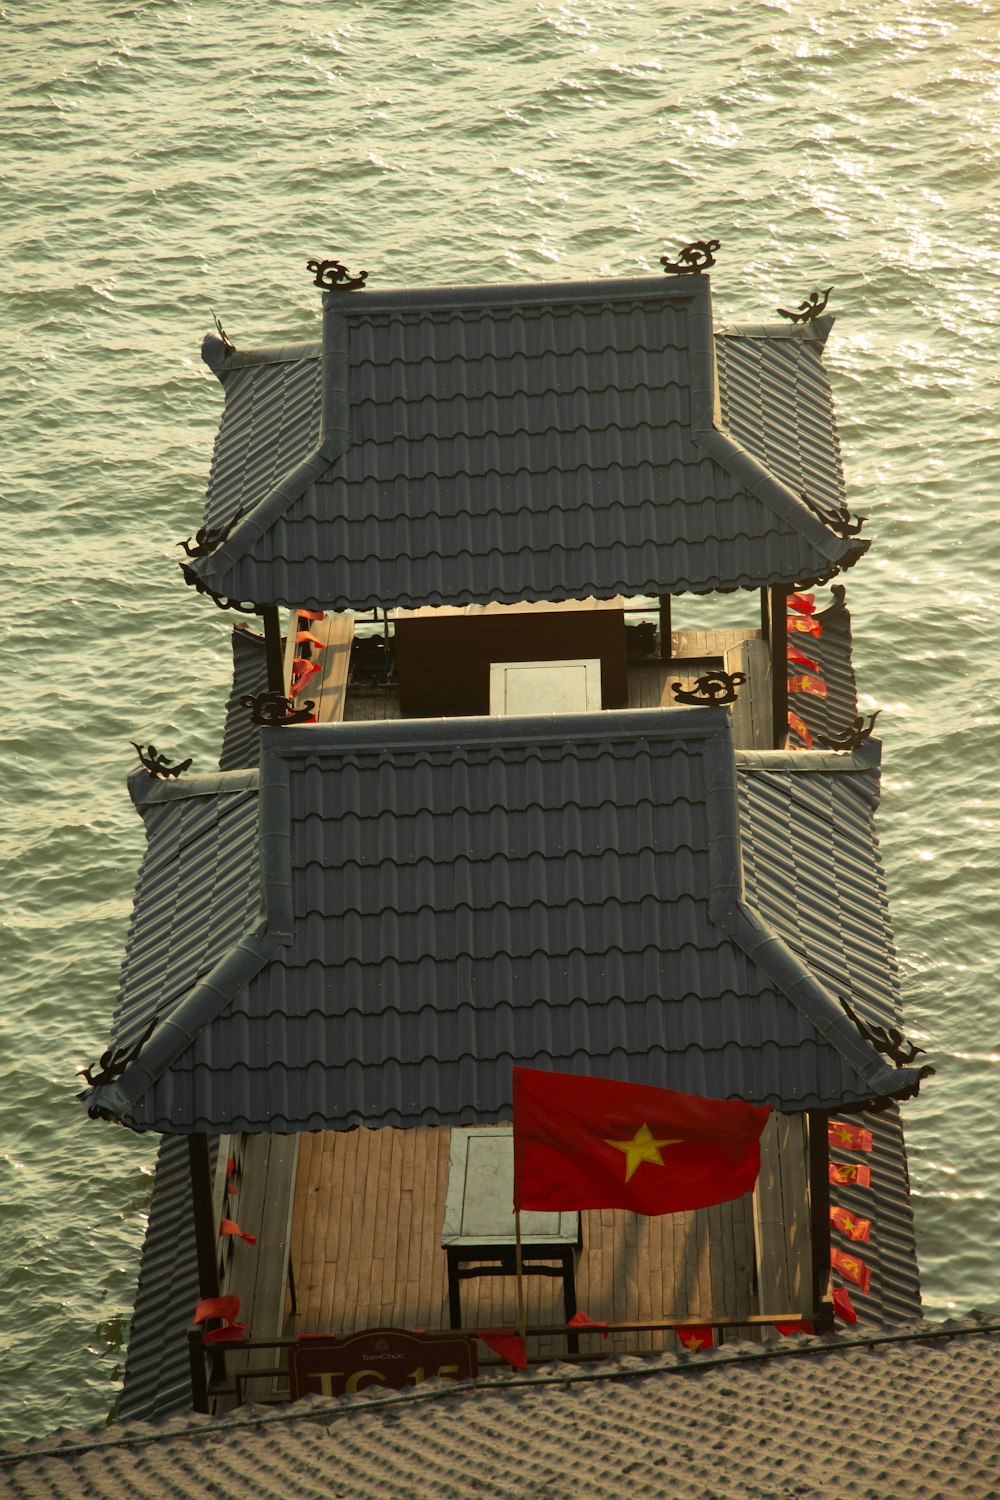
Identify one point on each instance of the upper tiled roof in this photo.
(447, 898)
(520, 442)
(747, 1420)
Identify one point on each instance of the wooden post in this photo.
(519, 1269)
(199, 1381)
(272, 649)
(206, 1233)
(666, 639)
(819, 1213)
(779, 666)
(765, 618)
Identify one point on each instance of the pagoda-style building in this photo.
(480, 805)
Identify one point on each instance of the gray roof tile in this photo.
(462, 895)
(509, 443)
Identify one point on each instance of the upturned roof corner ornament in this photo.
(206, 538)
(710, 691)
(219, 600)
(114, 1061)
(851, 738)
(275, 711)
(837, 517)
(892, 1043)
(332, 276)
(158, 765)
(812, 307)
(223, 335)
(693, 259)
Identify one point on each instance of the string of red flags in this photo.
(852, 1268)
(850, 1224)
(802, 604)
(581, 1320)
(799, 726)
(850, 1174)
(230, 1226)
(509, 1347)
(805, 682)
(802, 660)
(787, 1329)
(843, 1306)
(804, 625)
(848, 1137)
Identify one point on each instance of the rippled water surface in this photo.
(166, 160)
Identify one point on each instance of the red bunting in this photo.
(580, 1320)
(850, 1174)
(848, 1137)
(697, 1338)
(800, 727)
(803, 625)
(230, 1226)
(217, 1307)
(806, 683)
(508, 1346)
(850, 1224)
(787, 1329)
(231, 1335)
(302, 672)
(801, 660)
(843, 1306)
(803, 604)
(852, 1268)
(303, 637)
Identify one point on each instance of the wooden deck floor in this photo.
(366, 1250)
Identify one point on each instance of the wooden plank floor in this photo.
(366, 1249)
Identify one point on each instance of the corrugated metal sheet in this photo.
(519, 443)
(812, 865)
(741, 1421)
(240, 735)
(469, 894)
(157, 1376)
(832, 654)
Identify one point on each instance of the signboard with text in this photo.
(325, 1365)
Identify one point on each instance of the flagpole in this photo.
(519, 1269)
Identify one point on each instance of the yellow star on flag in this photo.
(642, 1147)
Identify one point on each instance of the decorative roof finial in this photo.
(332, 276)
(158, 765)
(693, 259)
(811, 308)
(710, 691)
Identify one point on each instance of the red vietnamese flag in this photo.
(850, 1224)
(803, 604)
(702, 1337)
(803, 625)
(850, 1174)
(805, 682)
(843, 1306)
(852, 1268)
(800, 727)
(802, 660)
(848, 1137)
(596, 1143)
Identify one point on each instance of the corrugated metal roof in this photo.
(448, 897)
(813, 868)
(745, 1420)
(240, 735)
(526, 442)
(157, 1376)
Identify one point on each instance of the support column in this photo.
(206, 1231)
(778, 605)
(765, 617)
(272, 649)
(819, 1214)
(665, 628)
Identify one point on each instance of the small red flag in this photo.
(850, 1224)
(803, 604)
(805, 682)
(800, 727)
(217, 1307)
(848, 1137)
(803, 625)
(802, 660)
(231, 1335)
(596, 1143)
(843, 1306)
(852, 1268)
(580, 1320)
(702, 1337)
(787, 1329)
(508, 1346)
(302, 636)
(850, 1174)
(230, 1226)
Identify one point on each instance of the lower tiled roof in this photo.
(908, 1412)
